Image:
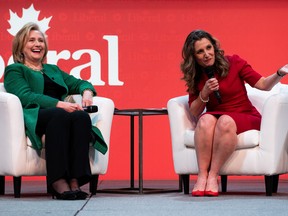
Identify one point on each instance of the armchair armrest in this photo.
(274, 127)
(12, 131)
(180, 120)
(103, 118)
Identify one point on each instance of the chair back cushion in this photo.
(259, 97)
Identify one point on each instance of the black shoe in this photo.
(81, 195)
(66, 195)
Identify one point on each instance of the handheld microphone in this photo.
(90, 109)
(210, 74)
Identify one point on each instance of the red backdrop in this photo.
(131, 51)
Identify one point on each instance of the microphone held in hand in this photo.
(91, 109)
(210, 74)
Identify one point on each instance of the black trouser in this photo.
(67, 137)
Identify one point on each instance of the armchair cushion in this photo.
(247, 139)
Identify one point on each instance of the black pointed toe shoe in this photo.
(81, 195)
(66, 195)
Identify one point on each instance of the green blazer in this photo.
(28, 86)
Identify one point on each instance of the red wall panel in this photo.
(146, 37)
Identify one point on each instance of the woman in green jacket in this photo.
(41, 89)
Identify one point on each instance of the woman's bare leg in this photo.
(204, 133)
(224, 143)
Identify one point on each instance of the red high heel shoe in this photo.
(198, 193)
(211, 193)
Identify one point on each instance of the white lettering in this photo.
(53, 57)
(10, 61)
(2, 66)
(94, 64)
(113, 60)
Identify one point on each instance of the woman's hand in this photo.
(69, 107)
(210, 86)
(87, 98)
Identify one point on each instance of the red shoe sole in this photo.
(198, 193)
(211, 193)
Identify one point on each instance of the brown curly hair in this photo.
(191, 69)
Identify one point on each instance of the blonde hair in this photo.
(21, 39)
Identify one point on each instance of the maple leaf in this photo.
(28, 15)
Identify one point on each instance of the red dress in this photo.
(235, 102)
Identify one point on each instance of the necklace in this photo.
(34, 68)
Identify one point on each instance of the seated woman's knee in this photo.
(81, 116)
(226, 124)
(206, 121)
(57, 112)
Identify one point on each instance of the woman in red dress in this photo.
(216, 82)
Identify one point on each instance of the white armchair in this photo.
(261, 152)
(18, 158)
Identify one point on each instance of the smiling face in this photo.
(204, 52)
(34, 49)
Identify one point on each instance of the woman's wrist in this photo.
(88, 90)
(59, 104)
(203, 100)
